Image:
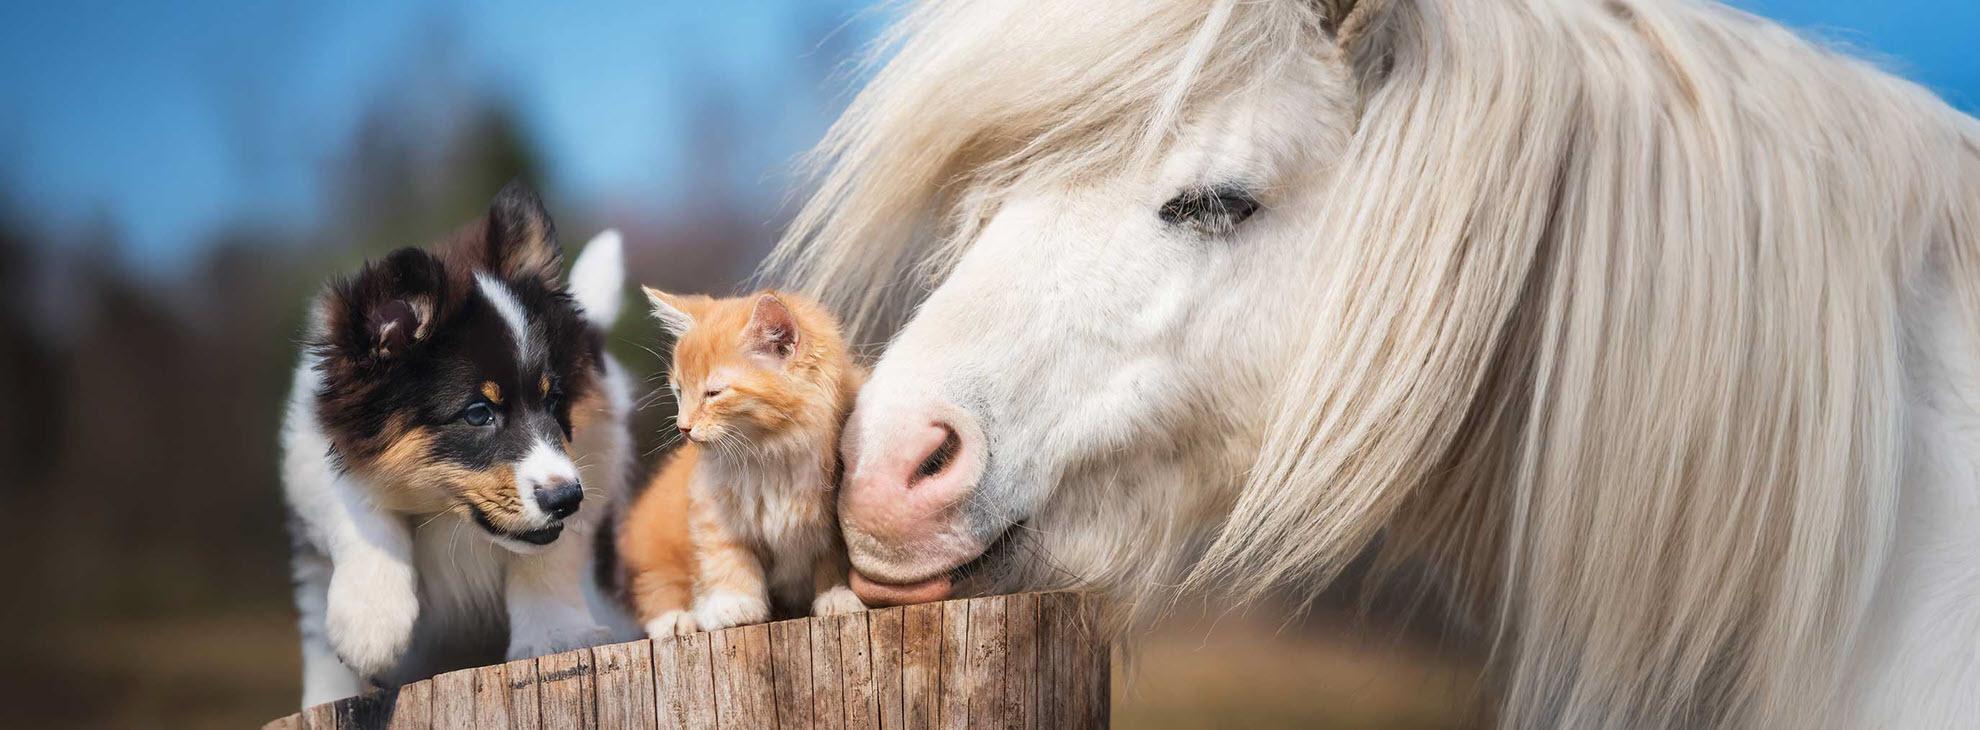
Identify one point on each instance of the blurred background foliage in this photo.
(151, 297)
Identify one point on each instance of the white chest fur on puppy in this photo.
(454, 443)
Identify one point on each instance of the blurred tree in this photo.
(30, 373)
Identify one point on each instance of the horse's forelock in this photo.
(974, 97)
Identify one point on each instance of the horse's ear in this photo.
(1359, 27)
(675, 312)
(1339, 15)
(517, 238)
(772, 332)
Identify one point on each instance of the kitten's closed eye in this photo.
(712, 392)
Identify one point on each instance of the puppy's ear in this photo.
(386, 311)
(516, 239)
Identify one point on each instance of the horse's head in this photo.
(1591, 307)
(1100, 358)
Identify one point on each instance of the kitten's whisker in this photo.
(454, 538)
(649, 350)
(429, 521)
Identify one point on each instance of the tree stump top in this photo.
(1030, 660)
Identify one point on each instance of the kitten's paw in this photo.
(526, 644)
(723, 610)
(836, 600)
(671, 623)
(369, 621)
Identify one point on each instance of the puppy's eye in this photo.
(1215, 210)
(553, 400)
(478, 414)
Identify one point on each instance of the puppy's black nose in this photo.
(560, 500)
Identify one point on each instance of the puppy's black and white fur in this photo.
(454, 443)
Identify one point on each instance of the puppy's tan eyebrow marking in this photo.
(492, 392)
(544, 385)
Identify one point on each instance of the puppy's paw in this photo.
(550, 640)
(836, 600)
(370, 621)
(671, 623)
(723, 610)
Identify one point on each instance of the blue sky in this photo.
(171, 119)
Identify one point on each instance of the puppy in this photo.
(454, 442)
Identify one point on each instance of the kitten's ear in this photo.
(772, 331)
(386, 310)
(675, 312)
(517, 238)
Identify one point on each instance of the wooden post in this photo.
(1024, 662)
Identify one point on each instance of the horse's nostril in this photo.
(943, 455)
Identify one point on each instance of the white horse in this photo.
(1652, 329)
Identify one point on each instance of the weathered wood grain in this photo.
(856, 679)
(921, 666)
(565, 690)
(1055, 709)
(413, 708)
(790, 673)
(828, 687)
(525, 709)
(953, 681)
(1097, 680)
(983, 672)
(696, 659)
(1020, 662)
(453, 699)
(1074, 662)
(670, 688)
(884, 635)
(491, 696)
(744, 686)
(368, 710)
(320, 717)
(624, 686)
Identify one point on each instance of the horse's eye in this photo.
(478, 414)
(1213, 210)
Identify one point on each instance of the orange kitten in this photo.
(742, 518)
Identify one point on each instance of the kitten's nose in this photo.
(560, 500)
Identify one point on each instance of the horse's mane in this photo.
(1614, 329)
